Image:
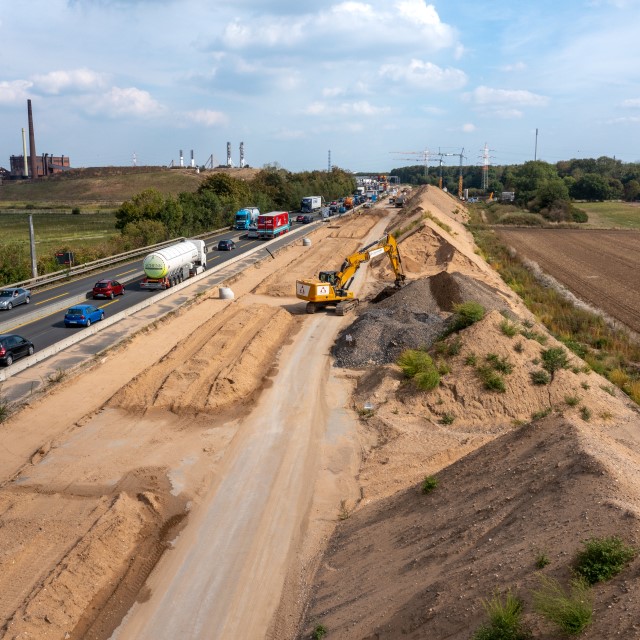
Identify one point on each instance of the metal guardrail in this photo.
(87, 267)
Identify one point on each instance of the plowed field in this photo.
(601, 267)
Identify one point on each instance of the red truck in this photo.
(273, 224)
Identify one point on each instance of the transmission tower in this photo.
(486, 158)
(421, 157)
(329, 162)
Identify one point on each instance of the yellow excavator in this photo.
(331, 288)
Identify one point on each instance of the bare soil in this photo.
(600, 267)
(188, 482)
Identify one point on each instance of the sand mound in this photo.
(222, 363)
(491, 515)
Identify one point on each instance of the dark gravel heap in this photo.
(413, 317)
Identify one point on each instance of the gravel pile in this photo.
(413, 317)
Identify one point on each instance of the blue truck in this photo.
(247, 217)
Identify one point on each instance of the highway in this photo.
(41, 321)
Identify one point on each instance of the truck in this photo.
(311, 204)
(247, 217)
(273, 224)
(348, 203)
(331, 288)
(169, 266)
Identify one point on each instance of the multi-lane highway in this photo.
(41, 321)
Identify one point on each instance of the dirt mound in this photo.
(418, 566)
(413, 317)
(220, 364)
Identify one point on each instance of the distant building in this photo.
(507, 196)
(46, 165)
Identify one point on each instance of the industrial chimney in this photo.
(32, 143)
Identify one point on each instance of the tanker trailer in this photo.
(169, 266)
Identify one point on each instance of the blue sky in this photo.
(292, 80)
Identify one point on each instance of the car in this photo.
(300, 218)
(107, 289)
(307, 219)
(82, 315)
(12, 347)
(368, 205)
(10, 298)
(226, 245)
(253, 232)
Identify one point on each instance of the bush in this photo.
(540, 377)
(509, 329)
(419, 367)
(492, 380)
(466, 314)
(319, 632)
(603, 558)
(571, 612)
(429, 484)
(499, 364)
(505, 619)
(554, 359)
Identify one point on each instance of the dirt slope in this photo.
(408, 565)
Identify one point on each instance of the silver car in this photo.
(10, 298)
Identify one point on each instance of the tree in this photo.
(591, 187)
(530, 176)
(551, 192)
(146, 205)
(632, 191)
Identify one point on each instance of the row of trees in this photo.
(150, 217)
(590, 179)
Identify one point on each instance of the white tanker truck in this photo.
(169, 266)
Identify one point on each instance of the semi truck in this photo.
(247, 217)
(311, 204)
(169, 266)
(273, 224)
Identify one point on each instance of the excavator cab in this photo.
(329, 277)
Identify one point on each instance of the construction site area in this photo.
(242, 468)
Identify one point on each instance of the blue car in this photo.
(82, 315)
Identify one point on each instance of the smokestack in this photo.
(193, 162)
(242, 155)
(229, 161)
(32, 143)
(181, 159)
(25, 170)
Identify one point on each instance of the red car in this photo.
(108, 289)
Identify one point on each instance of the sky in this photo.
(373, 84)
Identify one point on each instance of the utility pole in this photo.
(32, 242)
(535, 153)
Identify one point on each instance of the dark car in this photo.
(12, 347)
(226, 245)
(300, 218)
(107, 289)
(82, 315)
(307, 219)
(10, 298)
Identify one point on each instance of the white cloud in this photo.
(468, 127)
(332, 92)
(207, 117)
(360, 108)
(353, 11)
(633, 103)
(508, 114)
(518, 66)
(423, 15)
(506, 97)
(127, 101)
(56, 82)
(15, 91)
(425, 75)
(289, 134)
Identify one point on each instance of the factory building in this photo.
(45, 165)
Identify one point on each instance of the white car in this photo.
(252, 232)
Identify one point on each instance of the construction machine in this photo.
(331, 288)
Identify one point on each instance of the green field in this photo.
(612, 215)
(57, 230)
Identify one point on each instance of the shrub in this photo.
(499, 364)
(542, 560)
(603, 558)
(540, 377)
(471, 360)
(429, 484)
(554, 359)
(4, 410)
(585, 414)
(319, 632)
(75, 211)
(419, 367)
(466, 314)
(505, 619)
(491, 379)
(543, 413)
(509, 329)
(572, 401)
(447, 418)
(518, 347)
(571, 612)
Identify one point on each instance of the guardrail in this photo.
(87, 267)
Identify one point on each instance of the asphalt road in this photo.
(48, 328)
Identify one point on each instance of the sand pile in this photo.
(418, 566)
